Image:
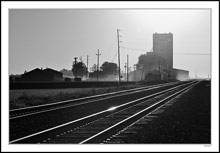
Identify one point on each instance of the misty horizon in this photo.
(53, 37)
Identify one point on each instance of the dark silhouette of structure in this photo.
(41, 75)
(158, 65)
(163, 46)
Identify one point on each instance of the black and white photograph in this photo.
(110, 76)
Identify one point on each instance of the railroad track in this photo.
(96, 127)
(16, 113)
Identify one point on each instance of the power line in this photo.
(173, 53)
(192, 53)
(134, 49)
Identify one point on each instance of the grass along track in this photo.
(33, 97)
(88, 99)
(21, 127)
(122, 114)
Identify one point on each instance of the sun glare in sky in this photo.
(53, 37)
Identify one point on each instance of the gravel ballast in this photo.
(186, 121)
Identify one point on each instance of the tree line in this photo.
(145, 61)
(79, 69)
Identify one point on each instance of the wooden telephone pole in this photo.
(127, 68)
(119, 73)
(87, 67)
(98, 65)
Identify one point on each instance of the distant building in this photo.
(163, 46)
(14, 78)
(41, 75)
(158, 74)
(53, 74)
(158, 65)
(154, 61)
(180, 74)
(154, 75)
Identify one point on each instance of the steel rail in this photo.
(123, 131)
(22, 112)
(92, 115)
(133, 118)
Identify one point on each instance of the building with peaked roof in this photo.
(40, 75)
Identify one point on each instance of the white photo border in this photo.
(122, 147)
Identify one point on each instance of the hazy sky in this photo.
(53, 37)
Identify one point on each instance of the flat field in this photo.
(33, 97)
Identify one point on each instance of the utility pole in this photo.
(127, 68)
(98, 65)
(119, 73)
(87, 66)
